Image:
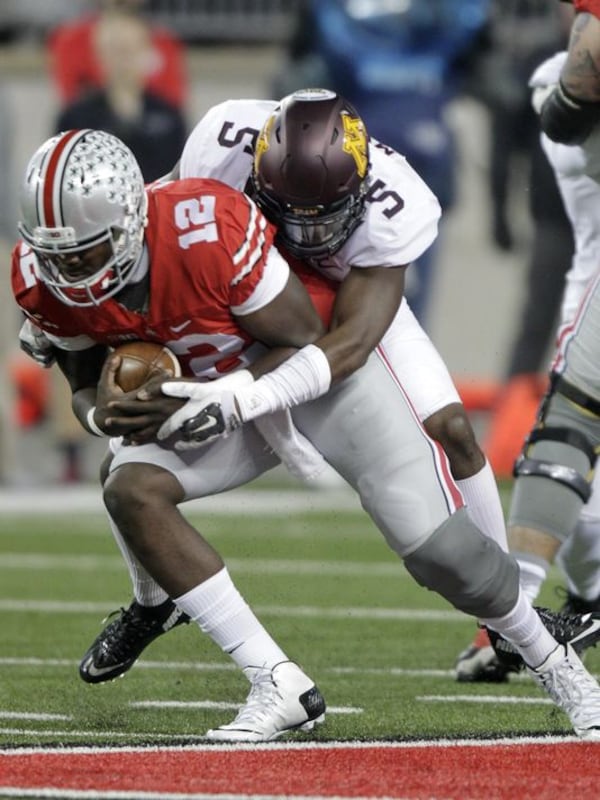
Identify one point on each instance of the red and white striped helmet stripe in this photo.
(52, 172)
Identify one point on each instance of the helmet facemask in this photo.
(314, 232)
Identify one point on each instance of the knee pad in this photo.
(568, 458)
(562, 450)
(466, 568)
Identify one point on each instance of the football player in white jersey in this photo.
(71, 215)
(370, 254)
(360, 223)
(579, 555)
(396, 224)
(536, 537)
(555, 507)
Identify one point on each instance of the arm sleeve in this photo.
(566, 119)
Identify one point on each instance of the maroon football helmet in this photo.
(310, 171)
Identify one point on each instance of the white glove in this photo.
(548, 72)
(545, 79)
(194, 419)
(217, 417)
(540, 95)
(36, 344)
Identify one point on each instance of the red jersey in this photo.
(591, 6)
(208, 247)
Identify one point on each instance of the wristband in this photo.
(304, 376)
(91, 424)
(566, 119)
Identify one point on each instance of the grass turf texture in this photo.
(336, 598)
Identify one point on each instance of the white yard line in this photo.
(426, 744)
(251, 566)
(222, 706)
(66, 500)
(34, 716)
(15, 605)
(483, 698)
(217, 666)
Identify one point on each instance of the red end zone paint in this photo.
(414, 772)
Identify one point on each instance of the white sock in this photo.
(222, 613)
(483, 504)
(532, 574)
(523, 628)
(146, 590)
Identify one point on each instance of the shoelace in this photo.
(562, 626)
(127, 628)
(574, 690)
(261, 699)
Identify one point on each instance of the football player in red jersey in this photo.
(92, 253)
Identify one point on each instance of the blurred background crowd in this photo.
(444, 82)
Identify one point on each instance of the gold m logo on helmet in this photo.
(355, 142)
(262, 142)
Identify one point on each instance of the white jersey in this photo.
(400, 223)
(577, 171)
(402, 213)
(581, 199)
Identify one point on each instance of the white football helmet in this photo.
(83, 188)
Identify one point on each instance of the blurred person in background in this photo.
(7, 225)
(76, 68)
(153, 128)
(518, 35)
(400, 64)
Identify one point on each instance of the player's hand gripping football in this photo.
(210, 410)
(120, 413)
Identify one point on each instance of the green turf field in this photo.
(380, 648)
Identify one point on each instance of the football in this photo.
(139, 362)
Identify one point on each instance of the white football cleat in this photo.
(281, 700)
(573, 690)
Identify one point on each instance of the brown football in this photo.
(139, 362)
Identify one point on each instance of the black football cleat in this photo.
(574, 604)
(579, 630)
(119, 645)
(478, 663)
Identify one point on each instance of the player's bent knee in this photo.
(467, 568)
(133, 490)
(451, 428)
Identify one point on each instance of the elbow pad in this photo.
(567, 120)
